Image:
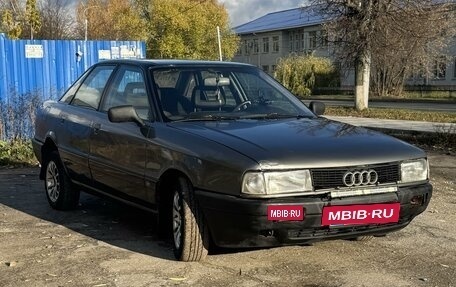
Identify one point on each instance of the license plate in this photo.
(360, 214)
(285, 213)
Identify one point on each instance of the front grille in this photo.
(333, 177)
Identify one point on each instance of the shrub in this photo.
(300, 74)
(17, 152)
(17, 115)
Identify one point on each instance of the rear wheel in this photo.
(190, 234)
(60, 192)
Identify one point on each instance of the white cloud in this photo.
(243, 11)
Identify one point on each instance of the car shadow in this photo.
(102, 219)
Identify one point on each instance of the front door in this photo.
(118, 150)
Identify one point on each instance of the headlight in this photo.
(276, 183)
(413, 171)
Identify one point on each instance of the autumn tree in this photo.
(32, 17)
(377, 33)
(187, 29)
(9, 25)
(110, 20)
(11, 18)
(57, 21)
(19, 21)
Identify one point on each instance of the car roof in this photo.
(172, 63)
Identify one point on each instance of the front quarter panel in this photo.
(209, 165)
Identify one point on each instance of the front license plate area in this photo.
(360, 214)
(285, 213)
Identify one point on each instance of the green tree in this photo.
(300, 74)
(12, 28)
(32, 17)
(110, 20)
(187, 29)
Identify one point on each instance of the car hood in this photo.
(303, 143)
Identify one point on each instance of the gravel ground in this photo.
(104, 243)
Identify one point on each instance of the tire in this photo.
(60, 192)
(189, 231)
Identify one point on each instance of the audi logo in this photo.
(359, 178)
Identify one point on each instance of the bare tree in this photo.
(411, 40)
(386, 35)
(56, 19)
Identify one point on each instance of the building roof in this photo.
(286, 19)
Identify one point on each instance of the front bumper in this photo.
(241, 222)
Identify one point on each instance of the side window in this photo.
(89, 93)
(68, 96)
(128, 88)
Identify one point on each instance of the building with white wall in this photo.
(299, 31)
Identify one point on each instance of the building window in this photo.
(275, 44)
(296, 39)
(266, 45)
(239, 50)
(274, 69)
(255, 46)
(323, 39)
(312, 40)
(246, 47)
(303, 43)
(265, 68)
(290, 43)
(439, 70)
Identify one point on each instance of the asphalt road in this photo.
(107, 244)
(422, 106)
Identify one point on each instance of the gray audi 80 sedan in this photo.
(224, 154)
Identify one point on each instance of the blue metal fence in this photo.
(48, 67)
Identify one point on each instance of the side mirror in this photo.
(317, 108)
(122, 114)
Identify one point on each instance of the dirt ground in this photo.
(103, 243)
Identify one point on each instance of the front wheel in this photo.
(190, 234)
(60, 192)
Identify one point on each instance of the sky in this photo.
(243, 11)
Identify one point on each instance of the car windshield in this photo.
(223, 93)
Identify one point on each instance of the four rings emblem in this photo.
(359, 178)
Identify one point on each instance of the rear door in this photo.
(118, 150)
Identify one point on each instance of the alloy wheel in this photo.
(177, 220)
(52, 181)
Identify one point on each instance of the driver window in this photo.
(128, 88)
(89, 93)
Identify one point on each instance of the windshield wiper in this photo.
(208, 117)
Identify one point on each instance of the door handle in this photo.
(96, 127)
